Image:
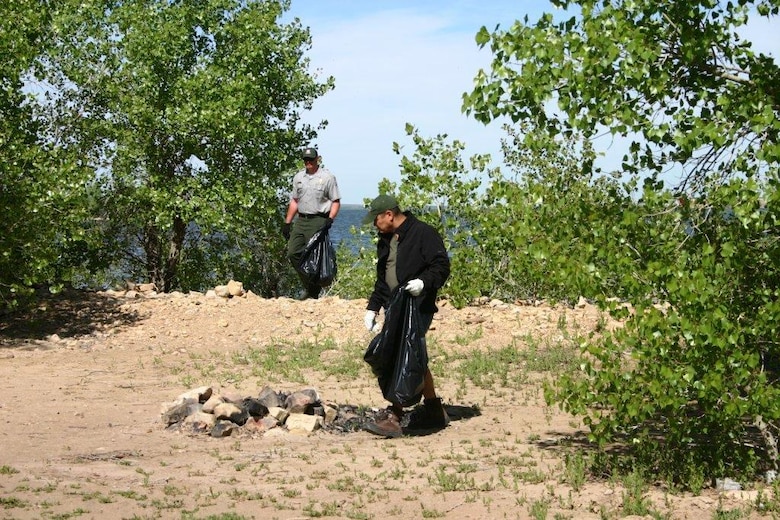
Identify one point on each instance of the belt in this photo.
(315, 215)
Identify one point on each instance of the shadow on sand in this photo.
(68, 315)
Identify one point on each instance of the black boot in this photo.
(313, 291)
(430, 416)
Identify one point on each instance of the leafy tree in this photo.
(189, 113)
(40, 186)
(674, 78)
(504, 230)
(693, 372)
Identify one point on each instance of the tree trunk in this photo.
(162, 270)
(175, 246)
(151, 241)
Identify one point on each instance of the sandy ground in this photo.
(82, 380)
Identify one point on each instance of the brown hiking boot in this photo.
(430, 416)
(388, 425)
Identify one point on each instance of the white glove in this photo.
(370, 320)
(415, 287)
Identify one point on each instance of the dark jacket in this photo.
(421, 254)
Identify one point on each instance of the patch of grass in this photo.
(469, 337)
(558, 358)
(531, 476)
(538, 509)
(12, 502)
(133, 495)
(491, 368)
(731, 514)
(575, 469)
(451, 481)
(346, 484)
(73, 514)
(221, 516)
(8, 470)
(634, 501)
(97, 495)
(291, 493)
(326, 509)
(432, 513)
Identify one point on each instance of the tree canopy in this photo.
(189, 114)
(40, 184)
(694, 372)
(675, 78)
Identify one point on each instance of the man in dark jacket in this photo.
(410, 253)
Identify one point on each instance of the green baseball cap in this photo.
(379, 205)
(309, 153)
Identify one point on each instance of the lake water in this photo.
(349, 215)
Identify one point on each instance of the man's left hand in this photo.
(415, 287)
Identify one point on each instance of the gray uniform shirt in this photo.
(315, 192)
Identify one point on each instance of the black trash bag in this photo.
(318, 261)
(397, 355)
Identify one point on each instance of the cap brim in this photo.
(370, 217)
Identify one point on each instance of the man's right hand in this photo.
(286, 230)
(370, 320)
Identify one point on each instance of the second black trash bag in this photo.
(318, 261)
(398, 356)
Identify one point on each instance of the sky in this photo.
(408, 61)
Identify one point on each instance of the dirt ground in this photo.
(82, 380)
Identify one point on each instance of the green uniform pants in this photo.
(302, 230)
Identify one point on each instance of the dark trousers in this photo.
(301, 232)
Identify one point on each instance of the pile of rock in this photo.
(149, 290)
(202, 411)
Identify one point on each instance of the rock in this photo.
(269, 398)
(212, 403)
(222, 291)
(302, 401)
(235, 288)
(330, 414)
(199, 395)
(200, 422)
(230, 412)
(179, 412)
(727, 484)
(261, 424)
(223, 429)
(232, 397)
(300, 422)
(280, 414)
(254, 407)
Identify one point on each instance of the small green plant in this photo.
(431, 513)
(634, 501)
(134, 495)
(11, 502)
(469, 337)
(451, 481)
(538, 509)
(575, 468)
(731, 514)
